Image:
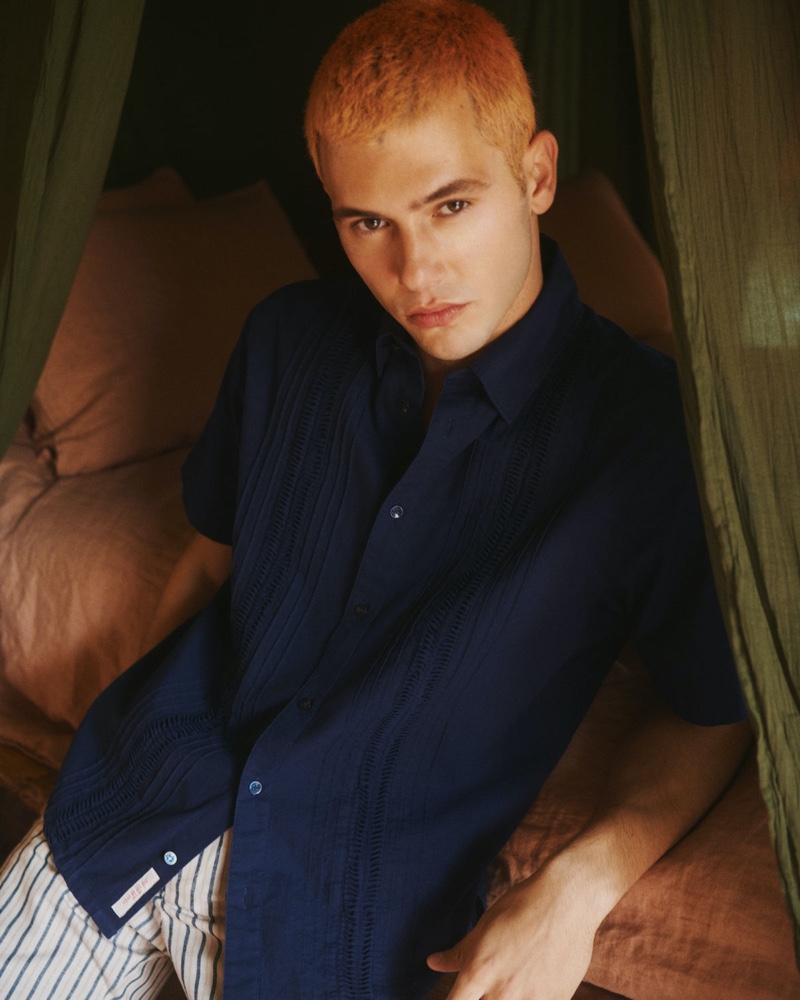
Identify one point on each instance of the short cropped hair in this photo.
(392, 64)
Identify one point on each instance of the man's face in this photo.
(443, 235)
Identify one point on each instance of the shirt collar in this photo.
(511, 368)
(392, 338)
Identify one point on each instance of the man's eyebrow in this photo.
(352, 213)
(460, 186)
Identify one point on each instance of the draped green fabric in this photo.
(64, 67)
(720, 86)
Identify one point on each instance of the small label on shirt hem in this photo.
(135, 893)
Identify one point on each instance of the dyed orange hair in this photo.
(397, 60)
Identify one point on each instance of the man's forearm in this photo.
(663, 781)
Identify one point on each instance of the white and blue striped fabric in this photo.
(51, 949)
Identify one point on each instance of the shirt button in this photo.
(362, 610)
(405, 406)
(305, 704)
(256, 788)
(171, 858)
(396, 512)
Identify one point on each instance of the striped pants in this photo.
(51, 949)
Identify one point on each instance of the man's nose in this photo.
(418, 261)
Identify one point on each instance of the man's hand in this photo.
(534, 943)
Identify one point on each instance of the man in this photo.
(445, 503)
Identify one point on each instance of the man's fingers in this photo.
(445, 961)
(465, 990)
(454, 960)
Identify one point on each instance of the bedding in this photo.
(91, 519)
(160, 296)
(91, 523)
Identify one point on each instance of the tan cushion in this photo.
(156, 307)
(617, 273)
(164, 186)
(84, 561)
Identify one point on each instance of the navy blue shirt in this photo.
(416, 623)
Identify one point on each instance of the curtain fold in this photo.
(64, 67)
(720, 90)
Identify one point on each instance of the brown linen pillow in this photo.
(617, 273)
(84, 561)
(155, 309)
(164, 186)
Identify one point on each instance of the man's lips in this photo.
(439, 315)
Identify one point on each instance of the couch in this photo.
(91, 524)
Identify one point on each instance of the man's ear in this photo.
(541, 160)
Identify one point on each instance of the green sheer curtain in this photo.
(64, 67)
(720, 87)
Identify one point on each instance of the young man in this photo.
(445, 499)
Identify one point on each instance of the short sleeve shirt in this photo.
(417, 620)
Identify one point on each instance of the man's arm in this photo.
(535, 942)
(196, 577)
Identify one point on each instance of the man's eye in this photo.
(453, 207)
(369, 225)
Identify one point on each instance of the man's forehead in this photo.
(438, 148)
(378, 130)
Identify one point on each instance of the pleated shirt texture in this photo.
(416, 622)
